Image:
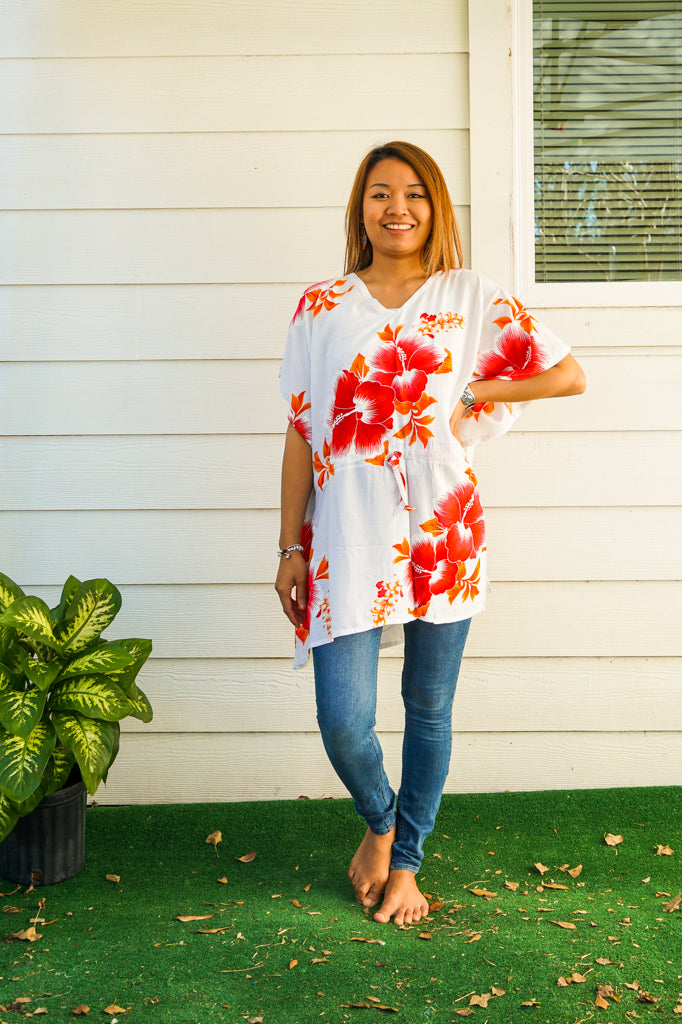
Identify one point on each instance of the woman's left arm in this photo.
(564, 378)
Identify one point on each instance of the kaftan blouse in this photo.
(394, 528)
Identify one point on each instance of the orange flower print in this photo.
(297, 407)
(387, 596)
(431, 323)
(319, 298)
(324, 467)
(326, 298)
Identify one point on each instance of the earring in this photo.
(363, 238)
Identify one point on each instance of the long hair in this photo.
(443, 247)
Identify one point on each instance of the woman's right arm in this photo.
(297, 483)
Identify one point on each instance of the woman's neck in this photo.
(392, 282)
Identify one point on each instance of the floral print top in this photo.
(394, 526)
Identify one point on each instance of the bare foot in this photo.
(402, 900)
(369, 867)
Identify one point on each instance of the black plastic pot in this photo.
(48, 845)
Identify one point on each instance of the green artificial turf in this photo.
(287, 949)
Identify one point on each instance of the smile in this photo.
(398, 227)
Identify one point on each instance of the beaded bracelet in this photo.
(286, 552)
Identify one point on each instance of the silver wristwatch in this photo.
(468, 399)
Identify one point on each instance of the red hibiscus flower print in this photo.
(422, 565)
(405, 363)
(459, 513)
(516, 355)
(362, 414)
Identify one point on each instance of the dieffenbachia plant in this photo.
(63, 691)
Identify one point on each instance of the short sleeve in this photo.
(294, 374)
(513, 345)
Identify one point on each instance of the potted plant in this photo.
(63, 691)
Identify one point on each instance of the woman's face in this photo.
(396, 209)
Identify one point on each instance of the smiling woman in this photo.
(389, 372)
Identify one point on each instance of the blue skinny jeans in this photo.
(346, 693)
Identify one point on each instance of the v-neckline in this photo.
(391, 309)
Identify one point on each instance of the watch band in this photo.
(468, 399)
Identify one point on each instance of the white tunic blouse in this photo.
(395, 528)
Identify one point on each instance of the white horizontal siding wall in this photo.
(173, 174)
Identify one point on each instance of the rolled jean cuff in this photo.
(382, 822)
(401, 866)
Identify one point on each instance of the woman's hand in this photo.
(292, 587)
(456, 418)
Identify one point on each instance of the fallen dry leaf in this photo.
(474, 938)
(678, 1010)
(292, 964)
(376, 942)
(531, 1002)
(605, 992)
(511, 885)
(214, 838)
(646, 997)
(554, 885)
(571, 979)
(113, 1009)
(674, 904)
(320, 960)
(296, 904)
(481, 1000)
(213, 931)
(306, 888)
(425, 935)
(223, 880)
(80, 1011)
(112, 878)
(664, 851)
(193, 917)
(483, 892)
(604, 961)
(248, 857)
(466, 1012)
(541, 868)
(635, 986)
(435, 906)
(498, 991)
(565, 924)
(40, 1011)
(27, 935)
(612, 840)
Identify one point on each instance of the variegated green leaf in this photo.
(139, 650)
(9, 816)
(22, 761)
(31, 616)
(105, 659)
(20, 710)
(58, 768)
(41, 673)
(68, 590)
(93, 742)
(142, 709)
(114, 750)
(9, 592)
(91, 609)
(94, 696)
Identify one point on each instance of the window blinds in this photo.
(608, 146)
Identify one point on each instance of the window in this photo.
(607, 145)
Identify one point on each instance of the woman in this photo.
(391, 373)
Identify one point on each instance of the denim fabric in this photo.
(346, 693)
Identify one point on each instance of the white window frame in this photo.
(502, 201)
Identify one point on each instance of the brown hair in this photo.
(443, 248)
